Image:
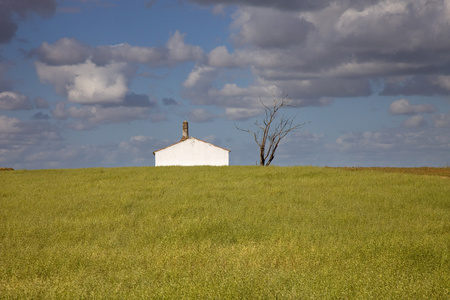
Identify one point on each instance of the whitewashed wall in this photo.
(192, 152)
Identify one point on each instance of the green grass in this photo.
(223, 233)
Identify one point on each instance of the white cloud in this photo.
(19, 139)
(88, 83)
(197, 75)
(400, 25)
(284, 29)
(65, 51)
(101, 75)
(441, 120)
(336, 50)
(443, 81)
(415, 121)
(14, 101)
(402, 106)
(220, 57)
(69, 51)
(179, 51)
(9, 125)
(60, 112)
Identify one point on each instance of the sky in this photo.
(105, 83)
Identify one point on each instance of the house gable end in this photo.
(191, 152)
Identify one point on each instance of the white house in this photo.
(190, 151)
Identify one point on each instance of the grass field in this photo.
(224, 233)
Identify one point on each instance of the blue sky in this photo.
(104, 83)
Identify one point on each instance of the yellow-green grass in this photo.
(223, 233)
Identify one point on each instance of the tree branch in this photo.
(268, 137)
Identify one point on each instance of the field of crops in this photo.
(224, 233)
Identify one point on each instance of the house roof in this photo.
(183, 140)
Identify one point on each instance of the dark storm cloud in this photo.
(11, 11)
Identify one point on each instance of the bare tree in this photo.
(272, 129)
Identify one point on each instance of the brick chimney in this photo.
(185, 131)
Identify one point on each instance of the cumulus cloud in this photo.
(198, 75)
(88, 83)
(41, 102)
(12, 11)
(101, 75)
(403, 107)
(179, 51)
(441, 80)
(14, 101)
(15, 134)
(63, 52)
(441, 120)
(59, 111)
(70, 51)
(220, 57)
(320, 50)
(415, 121)
(254, 29)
